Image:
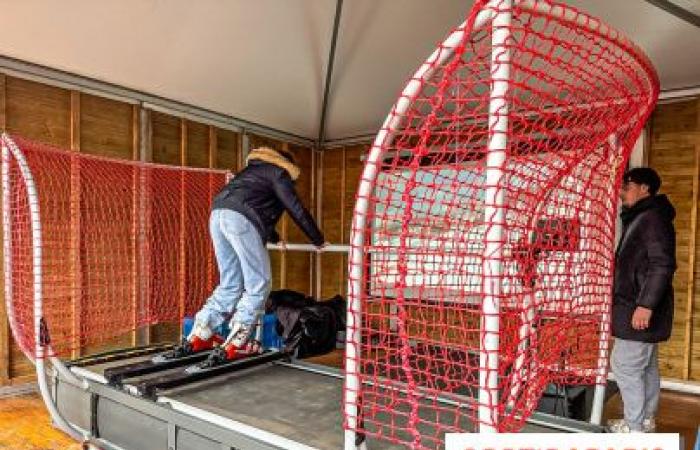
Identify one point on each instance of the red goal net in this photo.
(105, 247)
(484, 230)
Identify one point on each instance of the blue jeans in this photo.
(244, 271)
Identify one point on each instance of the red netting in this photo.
(486, 249)
(123, 245)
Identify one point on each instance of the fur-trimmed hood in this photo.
(272, 156)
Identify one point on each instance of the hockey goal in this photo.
(483, 236)
(98, 250)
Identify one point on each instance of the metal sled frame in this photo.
(270, 404)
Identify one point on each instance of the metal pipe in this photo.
(684, 387)
(603, 350)
(332, 248)
(42, 349)
(7, 242)
(672, 95)
(329, 74)
(677, 11)
(520, 373)
(86, 374)
(495, 214)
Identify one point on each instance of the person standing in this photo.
(642, 312)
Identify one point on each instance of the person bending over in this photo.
(243, 219)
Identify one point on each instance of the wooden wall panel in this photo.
(673, 152)
(37, 111)
(197, 144)
(297, 264)
(353, 172)
(332, 272)
(228, 149)
(106, 127)
(19, 365)
(263, 141)
(693, 325)
(165, 139)
(340, 174)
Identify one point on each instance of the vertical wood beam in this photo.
(213, 157)
(75, 228)
(343, 186)
(144, 224)
(312, 256)
(692, 244)
(687, 347)
(135, 223)
(319, 217)
(646, 133)
(4, 325)
(245, 149)
(213, 147)
(284, 237)
(182, 263)
(3, 101)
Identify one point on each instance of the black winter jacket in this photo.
(263, 191)
(645, 261)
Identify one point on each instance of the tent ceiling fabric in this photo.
(264, 60)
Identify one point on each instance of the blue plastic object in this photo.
(270, 338)
(187, 324)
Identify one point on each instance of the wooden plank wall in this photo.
(340, 170)
(674, 151)
(101, 126)
(106, 127)
(297, 269)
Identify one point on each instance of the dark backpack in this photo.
(307, 326)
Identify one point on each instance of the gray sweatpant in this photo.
(636, 368)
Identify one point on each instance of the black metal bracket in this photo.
(116, 355)
(94, 427)
(150, 387)
(329, 74)
(676, 10)
(116, 375)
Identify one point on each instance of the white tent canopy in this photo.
(265, 60)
